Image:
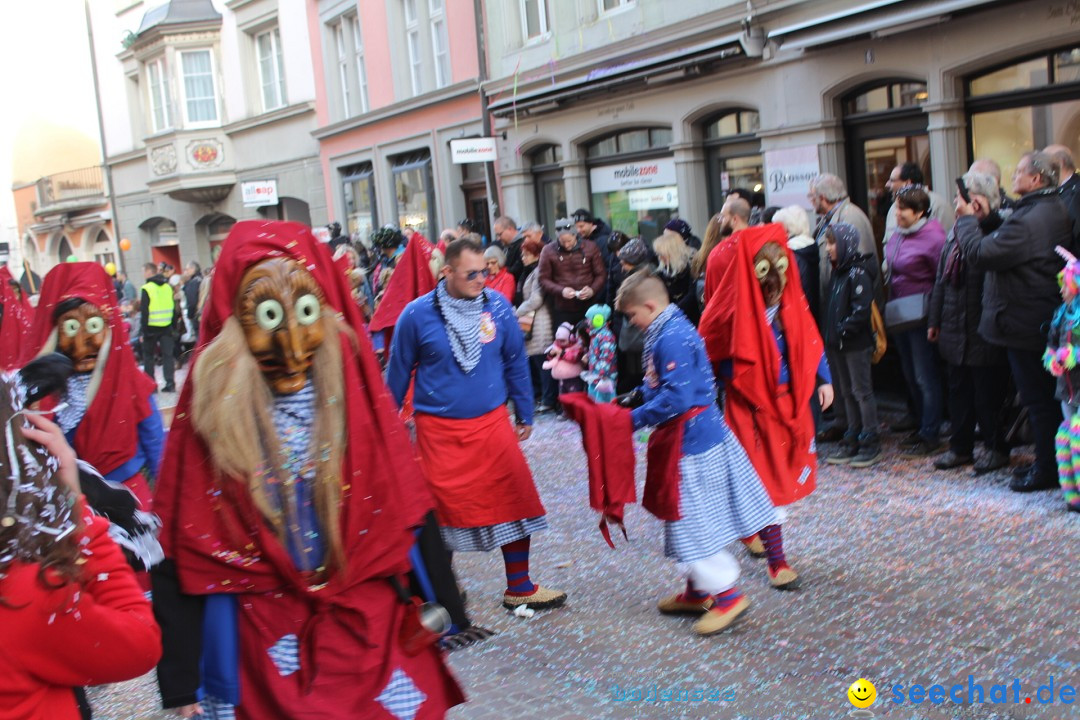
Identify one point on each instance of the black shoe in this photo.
(1032, 482)
(924, 448)
(830, 434)
(912, 438)
(1022, 470)
(869, 451)
(904, 424)
(990, 461)
(845, 452)
(169, 388)
(1073, 508)
(952, 459)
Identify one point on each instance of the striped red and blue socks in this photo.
(516, 559)
(726, 600)
(692, 594)
(774, 546)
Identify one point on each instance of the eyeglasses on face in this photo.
(473, 274)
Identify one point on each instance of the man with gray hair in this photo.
(990, 167)
(1021, 296)
(829, 196)
(1068, 184)
(509, 240)
(572, 273)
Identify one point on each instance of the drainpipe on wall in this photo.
(485, 117)
(104, 150)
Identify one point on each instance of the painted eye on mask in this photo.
(95, 325)
(269, 314)
(782, 265)
(308, 309)
(762, 269)
(71, 327)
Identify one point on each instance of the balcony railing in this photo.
(70, 188)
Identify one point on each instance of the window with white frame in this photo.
(412, 41)
(606, 5)
(343, 67)
(157, 83)
(358, 55)
(533, 18)
(271, 69)
(200, 96)
(440, 43)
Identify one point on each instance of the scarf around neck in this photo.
(462, 319)
(657, 326)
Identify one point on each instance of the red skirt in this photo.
(783, 455)
(476, 470)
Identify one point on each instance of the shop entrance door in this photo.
(476, 209)
(874, 150)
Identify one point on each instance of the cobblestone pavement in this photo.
(909, 575)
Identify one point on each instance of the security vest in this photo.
(162, 305)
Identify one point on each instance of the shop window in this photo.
(550, 188)
(632, 179)
(1060, 67)
(892, 96)
(733, 156)
(358, 185)
(1026, 105)
(414, 192)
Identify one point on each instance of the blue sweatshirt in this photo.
(679, 377)
(420, 343)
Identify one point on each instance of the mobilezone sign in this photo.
(631, 176)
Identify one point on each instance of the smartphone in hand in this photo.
(961, 187)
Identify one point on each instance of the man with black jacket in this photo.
(595, 229)
(509, 240)
(1021, 296)
(1068, 186)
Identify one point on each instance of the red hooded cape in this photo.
(14, 323)
(412, 278)
(775, 428)
(108, 434)
(221, 544)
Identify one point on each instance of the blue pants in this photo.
(919, 363)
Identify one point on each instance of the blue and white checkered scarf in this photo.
(462, 320)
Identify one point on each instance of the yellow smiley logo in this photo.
(862, 693)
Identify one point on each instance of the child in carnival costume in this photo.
(765, 344)
(699, 479)
(1060, 359)
(564, 358)
(603, 373)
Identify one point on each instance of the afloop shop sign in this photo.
(630, 176)
(259, 192)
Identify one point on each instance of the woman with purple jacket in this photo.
(912, 257)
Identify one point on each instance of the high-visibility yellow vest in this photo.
(162, 305)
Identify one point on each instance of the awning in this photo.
(671, 65)
(879, 19)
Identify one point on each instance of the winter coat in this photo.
(851, 292)
(1021, 292)
(542, 332)
(683, 292)
(913, 259)
(956, 306)
(583, 266)
(601, 235)
(564, 361)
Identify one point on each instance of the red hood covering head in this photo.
(412, 278)
(733, 323)
(14, 323)
(108, 434)
(384, 496)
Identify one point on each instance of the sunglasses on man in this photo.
(473, 274)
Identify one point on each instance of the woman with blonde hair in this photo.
(674, 257)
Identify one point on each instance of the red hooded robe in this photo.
(348, 629)
(774, 425)
(14, 323)
(108, 435)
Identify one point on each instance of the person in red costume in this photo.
(768, 354)
(71, 611)
(16, 316)
(289, 500)
(109, 415)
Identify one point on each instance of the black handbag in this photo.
(907, 313)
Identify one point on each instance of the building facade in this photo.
(645, 109)
(398, 81)
(208, 108)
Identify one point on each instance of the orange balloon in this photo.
(125, 244)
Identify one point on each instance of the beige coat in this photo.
(543, 333)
